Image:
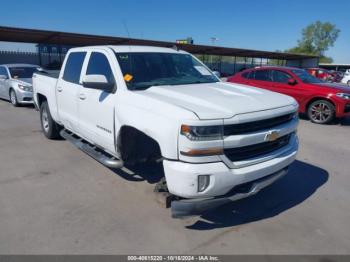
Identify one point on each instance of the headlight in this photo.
(200, 133)
(343, 95)
(25, 88)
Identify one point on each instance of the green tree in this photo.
(316, 39)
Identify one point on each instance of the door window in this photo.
(263, 75)
(248, 75)
(99, 65)
(280, 77)
(73, 67)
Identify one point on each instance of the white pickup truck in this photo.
(218, 142)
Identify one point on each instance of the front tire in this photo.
(13, 98)
(49, 127)
(321, 112)
(348, 83)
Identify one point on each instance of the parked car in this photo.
(321, 73)
(346, 78)
(126, 104)
(16, 83)
(321, 101)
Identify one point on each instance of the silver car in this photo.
(16, 83)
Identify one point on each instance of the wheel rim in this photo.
(45, 120)
(321, 112)
(13, 98)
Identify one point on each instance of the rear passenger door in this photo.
(67, 90)
(96, 107)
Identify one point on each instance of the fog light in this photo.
(203, 182)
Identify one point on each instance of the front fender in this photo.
(158, 120)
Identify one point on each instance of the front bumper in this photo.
(24, 97)
(182, 179)
(192, 207)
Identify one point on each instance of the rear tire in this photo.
(321, 112)
(348, 83)
(13, 98)
(49, 127)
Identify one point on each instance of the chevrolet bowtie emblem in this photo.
(272, 136)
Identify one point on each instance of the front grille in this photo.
(236, 129)
(247, 152)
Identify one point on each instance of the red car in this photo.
(321, 101)
(320, 73)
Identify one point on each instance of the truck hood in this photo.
(219, 100)
(336, 87)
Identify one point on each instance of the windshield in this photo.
(305, 77)
(22, 72)
(143, 70)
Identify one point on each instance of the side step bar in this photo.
(108, 161)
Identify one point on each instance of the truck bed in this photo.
(44, 85)
(50, 73)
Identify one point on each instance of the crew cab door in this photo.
(67, 90)
(97, 106)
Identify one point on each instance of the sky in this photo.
(268, 25)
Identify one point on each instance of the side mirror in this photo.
(97, 82)
(292, 81)
(3, 77)
(217, 73)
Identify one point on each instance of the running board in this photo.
(91, 150)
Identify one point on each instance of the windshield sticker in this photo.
(128, 77)
(203, 70)
(124, 57)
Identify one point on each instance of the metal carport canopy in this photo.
(24, 35)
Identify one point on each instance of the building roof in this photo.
(333, 64)
(12, 34)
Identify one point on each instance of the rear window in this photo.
(73, 67)
(22, 72)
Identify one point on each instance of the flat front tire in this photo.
(321, 112)
(49, 127)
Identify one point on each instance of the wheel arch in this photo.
(319, 98)
(40, 98)
(133, 145)
(10, 89)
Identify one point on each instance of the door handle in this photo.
(59, 89)
(82, 96)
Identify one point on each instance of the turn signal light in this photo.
(203, 152)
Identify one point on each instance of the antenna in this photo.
(126, 28)
(127, 31)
